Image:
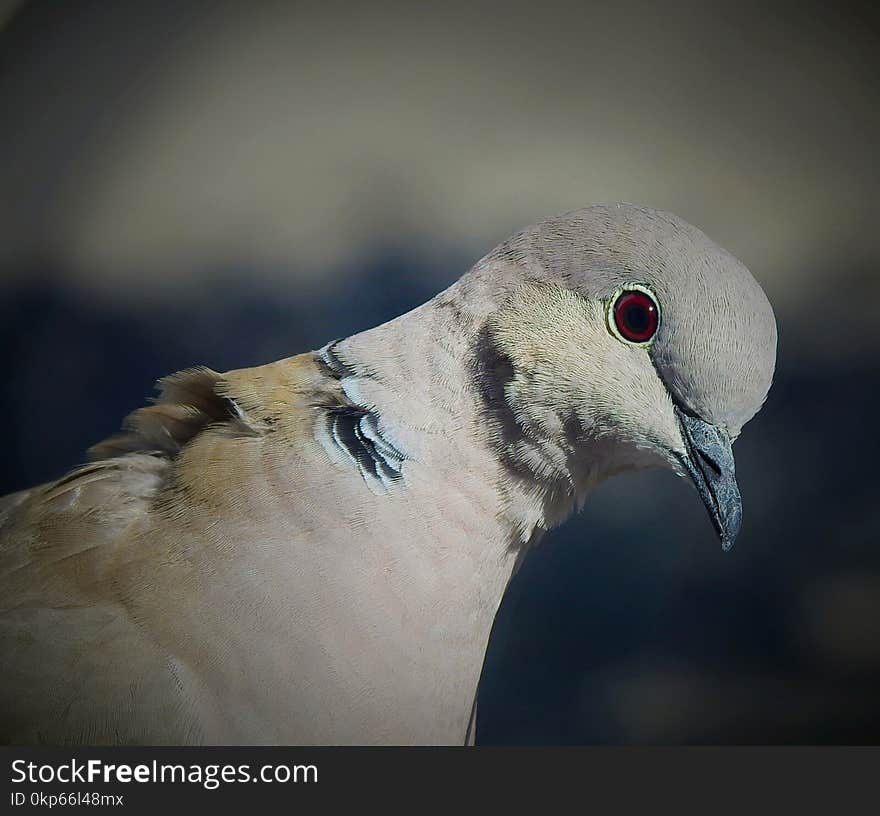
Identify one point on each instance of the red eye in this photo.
(636, 316)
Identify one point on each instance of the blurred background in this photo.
(231, 183)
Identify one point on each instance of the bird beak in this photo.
(708, 460)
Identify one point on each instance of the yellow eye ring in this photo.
(633, 315)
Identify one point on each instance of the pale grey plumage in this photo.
(314, 550)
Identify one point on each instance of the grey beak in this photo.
(709, 462)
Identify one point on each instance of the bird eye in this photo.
(634, 315)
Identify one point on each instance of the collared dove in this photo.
(314, 550)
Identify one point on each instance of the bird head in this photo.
(632, 340)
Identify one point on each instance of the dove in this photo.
(313, 551)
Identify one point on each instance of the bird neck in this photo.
(433, 379)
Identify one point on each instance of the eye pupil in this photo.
(636, 316)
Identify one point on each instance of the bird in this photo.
(313, 551)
